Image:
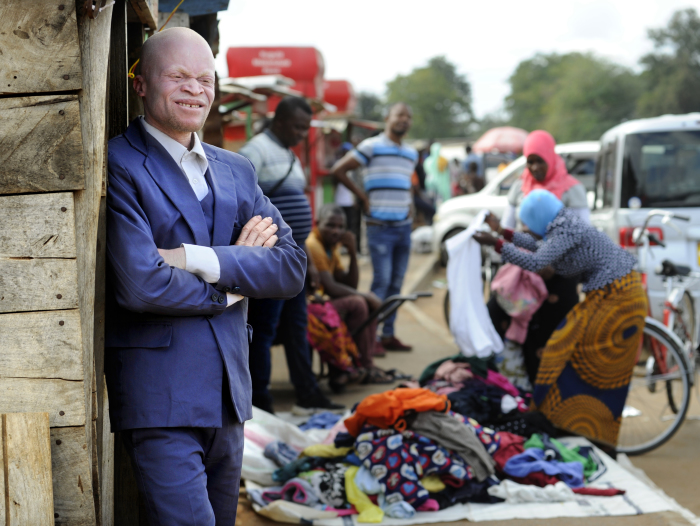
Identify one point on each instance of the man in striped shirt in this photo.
(386, 201)
(282, 180)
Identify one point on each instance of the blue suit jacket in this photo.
(169, 337)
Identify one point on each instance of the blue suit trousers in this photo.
(189, 476)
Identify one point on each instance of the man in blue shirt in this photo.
(386, 200)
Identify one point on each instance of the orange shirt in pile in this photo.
(387, 409)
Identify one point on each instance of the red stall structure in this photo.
(258, 79)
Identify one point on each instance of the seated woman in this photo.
(545, 170)
(340, 285)
(587, 363)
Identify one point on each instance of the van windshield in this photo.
(661, 169)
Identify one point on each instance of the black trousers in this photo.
(543, 322)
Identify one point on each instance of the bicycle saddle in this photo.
(670, 269)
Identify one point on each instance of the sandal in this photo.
(377, 376)
(398, 375)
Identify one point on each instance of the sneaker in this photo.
(317, 403)
(392, 343)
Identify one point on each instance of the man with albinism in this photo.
(190, 237)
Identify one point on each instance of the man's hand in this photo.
(494, 223)
(364, 202)
(312, 275)
(484, 238)
(373, 301)
(258, 232)
(174, 258)
(349, 242)
(547, 273)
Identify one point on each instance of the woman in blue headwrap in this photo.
(587, 364)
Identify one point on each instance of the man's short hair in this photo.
(469, 149)
(390, 108)
(289, 105)
(329, 210)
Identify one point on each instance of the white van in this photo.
(646, 164)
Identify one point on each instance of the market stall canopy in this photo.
(504, 139)
(341, 94)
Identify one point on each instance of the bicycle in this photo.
(659, 391)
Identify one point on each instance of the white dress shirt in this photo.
(201, 261)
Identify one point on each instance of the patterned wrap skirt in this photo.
(587, 364)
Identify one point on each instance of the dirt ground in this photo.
(672, 467)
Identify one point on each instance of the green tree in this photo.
(671, 73)
(439, 96)
(369, 106)
(574, 96)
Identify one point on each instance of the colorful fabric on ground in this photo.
(328, 484)
(587, 364)
(398, 460)
(563, 453)
(326, 451)
(369, 513)
(281, 453)
(387, 409)
(331, 339)
(534, 460)
(324, 420)
(478, 366)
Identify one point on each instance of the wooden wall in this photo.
(53, 78)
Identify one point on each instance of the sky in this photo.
(369, 42)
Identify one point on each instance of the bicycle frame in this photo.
(676, 287)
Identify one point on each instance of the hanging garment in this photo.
(520, 293)
(470, 322)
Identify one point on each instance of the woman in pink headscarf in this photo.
(545, 170)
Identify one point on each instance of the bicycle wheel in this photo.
(684, 328)
(648, 420)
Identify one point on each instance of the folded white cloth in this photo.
(515, 493)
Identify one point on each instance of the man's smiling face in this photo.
(177, 83)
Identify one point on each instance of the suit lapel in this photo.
(169, 177)
(225, 202)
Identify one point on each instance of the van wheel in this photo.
(443, 249)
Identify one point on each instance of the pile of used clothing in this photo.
(406, 450)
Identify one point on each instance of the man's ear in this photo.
(140, 85)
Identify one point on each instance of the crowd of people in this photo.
(212, 254)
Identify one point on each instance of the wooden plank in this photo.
(61, 399)
(27, 449)
(107, 464)
(40, 144)
(94, 37)
(39, 50)
(37, 226)
(146, 11)
(41, 345)
(4, 519)
(38, 284)
(73, 499)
